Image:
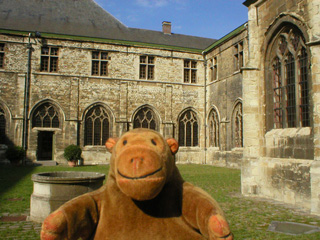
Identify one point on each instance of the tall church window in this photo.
(145, 118)
(214, 129)
(190, 71)
(1, 55)
(2, 126)
(99, 63)
(97, 126)
(290, 77)
(46, 116)
(237, 127)
(188, 129)
(146, 70)
(49, 59)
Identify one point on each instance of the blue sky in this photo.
(203, 18)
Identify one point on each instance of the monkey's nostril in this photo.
(132, 160)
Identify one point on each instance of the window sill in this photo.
(237, 149)
(49, 73)
(289, 132)
(189, 149)
(94, 148)
(237, 72)
(48, 129)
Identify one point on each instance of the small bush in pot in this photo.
(72, 153)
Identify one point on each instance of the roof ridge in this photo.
(116, 19)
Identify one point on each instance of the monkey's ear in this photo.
(173, 144)
(110, 143)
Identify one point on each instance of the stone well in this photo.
(52, 189)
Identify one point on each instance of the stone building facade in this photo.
(249, 99)
(281, 102)
(225, 60)
(63, 103)
(84, 89)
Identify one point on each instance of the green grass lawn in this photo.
(248, 218)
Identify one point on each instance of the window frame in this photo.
(188, 138)
(97, 137)
(2, 55)
(147, 67)
(214, 128)
(238, 56)
(146, 121)
(237, 125)
(289, 104)
(42, 112)
(102, 63)
(51, 64)
(190, 71)
(214, 68)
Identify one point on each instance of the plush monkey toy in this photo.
(144, 198)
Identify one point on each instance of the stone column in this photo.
(168, 130)
(314, 8)
(72, 125)
(123, 121)
(17, 115)
(253, 102)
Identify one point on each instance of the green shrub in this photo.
(15, 153)
(72, 152)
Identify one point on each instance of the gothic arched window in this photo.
(188, 129)
(237, 128)
(97, 126)
(214, 129)
(145, 118)
(46, 116)
(288, 106)
(2, 126)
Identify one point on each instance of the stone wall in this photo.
(73, 90)
(280, 163)
(281, 179)
(224, 93)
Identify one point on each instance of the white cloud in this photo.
(152, 3)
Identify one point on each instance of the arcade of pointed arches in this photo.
(98, 121)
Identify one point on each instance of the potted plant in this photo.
(72, 153)
(15, 154)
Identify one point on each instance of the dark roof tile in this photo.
(83, 18)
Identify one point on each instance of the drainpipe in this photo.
(78, 113)
(26, 101)
(205, 107)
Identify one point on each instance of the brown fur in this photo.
(145, 197)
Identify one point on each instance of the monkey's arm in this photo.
(202, 212)
(76, 219)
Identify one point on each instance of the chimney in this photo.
(166, 27)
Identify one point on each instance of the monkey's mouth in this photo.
(140, 177)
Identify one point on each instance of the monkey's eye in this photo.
(153, 142)
(125, 142)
